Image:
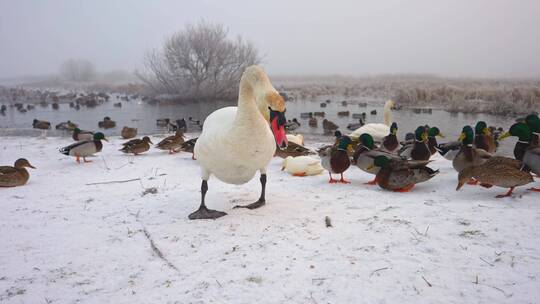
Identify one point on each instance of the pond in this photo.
(143, 115)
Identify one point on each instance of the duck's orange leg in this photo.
(506, 194)
(86, 161)
(77, 159)
(405, 189)
(331, 180)
(343, 181)
(300, 174)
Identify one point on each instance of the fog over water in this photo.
(477, 38)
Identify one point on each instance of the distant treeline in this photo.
(495, 96)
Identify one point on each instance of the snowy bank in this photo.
(65, 241)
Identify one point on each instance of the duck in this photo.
(365, 153)
(85, 148)
(189, 145)
(533, 122)
(196, 123)
(432, 134)
(497, 171)
(335, 158)
(302, 166)
(172, 143)
(163, 122)
(181, 125)
(401, 175)
(17, 175)
(390, 142)
(82, 135)
(312, 121)
(419, 149)
(525, 150)
(355, 125)
(377, 130)
(236, 142)
(136, 146)
(297, 139)
(128, 132)
(292, 125)
(41, 125)
(319, 114)
(306, 115)
(483, 139)
(343, 113)
(67, 126)
(469, 155)
(329, 126)
(294, 150)
(107, 123)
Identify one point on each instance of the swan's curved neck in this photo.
(388, 113)
(248, 108)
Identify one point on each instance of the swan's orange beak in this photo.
(277, 124)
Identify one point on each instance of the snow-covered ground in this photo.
(65, 241)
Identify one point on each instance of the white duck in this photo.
(377, 130)
(297, 139)
(302, 166)
(236, 142)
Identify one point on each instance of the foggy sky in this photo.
(480, 38)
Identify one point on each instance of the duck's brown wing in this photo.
(4, 170)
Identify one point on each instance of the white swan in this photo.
(377, 130)
(236, 142)
(302, 166)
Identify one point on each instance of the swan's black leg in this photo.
(261, 200)
(203, 212)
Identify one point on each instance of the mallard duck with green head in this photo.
(432, 134)
(85, 148)
(16, 175)
(335, 158)
(533, 122)
(137, 146)
(365, 153)
(419, 149)
(497, 171)
(524, 150)
(483, 139)
(82, 135)
(390, 142)
(468, 155)
(401, 175)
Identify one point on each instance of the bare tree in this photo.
(199, 62)
(78, 70)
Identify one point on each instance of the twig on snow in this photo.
(490, 264)
(428, 283)
(114, 182)
(377, 270)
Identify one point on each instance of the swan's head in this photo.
(270, 103)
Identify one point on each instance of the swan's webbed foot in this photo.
(206, 214)
(257, 204)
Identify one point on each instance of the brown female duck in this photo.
(16, 175)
